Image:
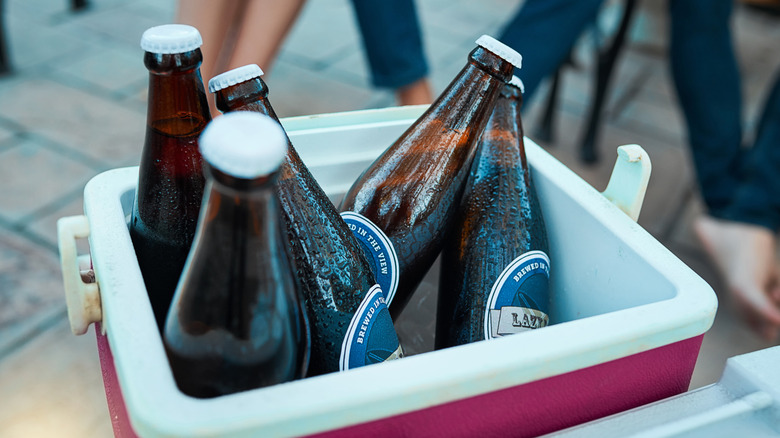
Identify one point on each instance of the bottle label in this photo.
(371, 337)
(379, 249)
(518, 299)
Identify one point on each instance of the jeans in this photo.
(737, 183)
(544, 32)
(392, 41)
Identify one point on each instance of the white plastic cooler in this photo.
(628, 319)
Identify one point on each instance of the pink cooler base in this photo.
(526, 410)
(550, 404)
(116, 403)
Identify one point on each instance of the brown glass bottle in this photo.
(336, 279)
(495, 267)
(170, 175)
(236, 321)
(411, 191)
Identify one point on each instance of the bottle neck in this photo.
(503, 135)
(514, 97)
(177, 98)
(506, 114)
(472, 91)
(513, 93)
(251, 95)
(239, 212)
(239, 187)
(492, 64)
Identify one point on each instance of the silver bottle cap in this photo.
(235, 76)
(171, 38)
(517, 82)
(502, 50)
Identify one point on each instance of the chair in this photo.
(606, 59)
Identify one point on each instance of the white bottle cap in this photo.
(235, 76)
(244, 144)
(516, 82)
(171, 38)
(502, 50)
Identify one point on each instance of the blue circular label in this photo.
(379, 250)
(371, 337)
(518, 299)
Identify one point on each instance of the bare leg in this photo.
(263, 28)
(745, 256)
(213, 18)
(416, 93)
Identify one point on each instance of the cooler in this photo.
(627, 318)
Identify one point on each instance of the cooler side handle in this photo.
(628, 182)
(82, 297)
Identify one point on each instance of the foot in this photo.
(416, 93)
(745, 256)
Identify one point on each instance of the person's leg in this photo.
(213, 19)
(417, 93)
(393, 45)
(544, 32)
(757, 200)
(263, 26)
(704, 69)
(755, 213)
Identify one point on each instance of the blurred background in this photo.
(74, 105)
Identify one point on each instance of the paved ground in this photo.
(75, 106)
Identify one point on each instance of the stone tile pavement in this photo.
(75, 106)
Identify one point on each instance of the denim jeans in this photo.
(737, 183)
(392, 41)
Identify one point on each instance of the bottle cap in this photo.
(516, 82)
(244, 144)
(235, 76)
(502, 50)
(171, 38)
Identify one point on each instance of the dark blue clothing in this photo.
(392, 41)
(739, 184)
(544, 32)
(757, 198)
(704, 69)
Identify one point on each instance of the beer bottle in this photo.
(495, 268)
(402, 206)
(349, 320)
(170, 175)
(236, 320)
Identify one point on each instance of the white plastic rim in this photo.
(517, 82)
(244, 144)
(502, 50)
(171, 38)
(235, 76)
